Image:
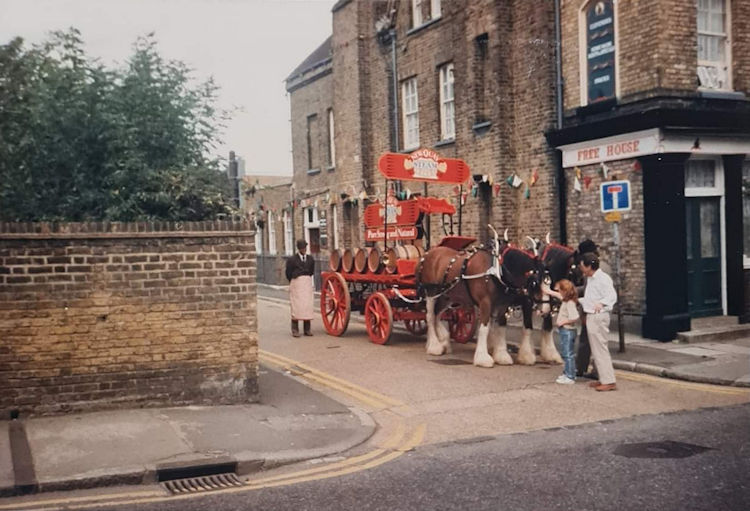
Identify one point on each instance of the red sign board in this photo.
(395, 232)
(399, 213)
(423, 165)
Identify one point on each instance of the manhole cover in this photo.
(666, 449)
(450, 362)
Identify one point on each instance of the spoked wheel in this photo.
(416, 326)
(463, 324)
(378, 318)
(335, 304)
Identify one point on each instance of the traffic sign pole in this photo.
(620, 326)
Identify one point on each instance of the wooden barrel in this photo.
(392, 255)
(360, 260)
(375, 260)
(401, 252)
(334, 260)
(347, 260)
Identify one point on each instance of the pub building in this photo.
(681, 141)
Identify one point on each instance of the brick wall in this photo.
(585, 220)
(120, 315)
(657, 47)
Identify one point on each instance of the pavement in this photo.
(292, 422)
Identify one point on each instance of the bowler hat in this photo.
(301, 244)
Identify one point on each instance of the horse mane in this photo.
(557, 247)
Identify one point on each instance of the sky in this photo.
(248, 46)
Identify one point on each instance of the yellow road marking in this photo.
(391, 448)
(703, 387)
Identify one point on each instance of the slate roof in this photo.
(321, 55)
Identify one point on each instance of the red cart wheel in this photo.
(378, 318)
(335, 304)
(463, 324)
(416, 326)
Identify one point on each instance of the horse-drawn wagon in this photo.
(379, 281)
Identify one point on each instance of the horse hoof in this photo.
(504, 360)
(435, 350)
(485, 361)
(527, 360)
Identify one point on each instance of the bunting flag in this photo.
(587, 182)
(474, 190)
(577, 185)
(517, 181)
(637, 166)
(534, 177)
(527, 193)
(497, 189)
(604, 170)
(578, 173)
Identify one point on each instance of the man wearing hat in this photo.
(299, 271)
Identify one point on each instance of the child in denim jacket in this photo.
(567, 321)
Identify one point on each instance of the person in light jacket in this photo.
(598, 300)
(299, 272)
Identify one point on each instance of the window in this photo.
(423, 11)
(447, 104)
(259, 240)
(746, 210)
(312, 142)
(271, 234)
(598, 61)
(713, 44)
(331, 146)
(481, 90)
(288, 235)
(411, 114)
(335, 226)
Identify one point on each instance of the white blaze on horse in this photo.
(494, 279)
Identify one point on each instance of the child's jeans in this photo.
(567, 351)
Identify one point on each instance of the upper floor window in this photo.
(312, 142)
(423, 11)
(598, 63)
(713, 44)
(331, 146)
(447, 104)
(411, 113)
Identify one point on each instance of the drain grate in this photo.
(666, 449)
(202, 483)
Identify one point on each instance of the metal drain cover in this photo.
(665, 449)
(450, 362)
(202, 483)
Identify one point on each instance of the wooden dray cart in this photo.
(385, 290)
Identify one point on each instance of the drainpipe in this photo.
(559, 123)
(394, 142)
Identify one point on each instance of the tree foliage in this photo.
(79, 141)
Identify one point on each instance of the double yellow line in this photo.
(399, 441)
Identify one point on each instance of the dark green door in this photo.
(704, 256)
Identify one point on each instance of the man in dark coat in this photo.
(299, 272)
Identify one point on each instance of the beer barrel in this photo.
(360, 260)
(413, 252)
(347, 260)
(393, 254)
(375, 260)
(334, 260)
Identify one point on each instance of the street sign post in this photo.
(615, 198)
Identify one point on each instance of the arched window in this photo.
(598, 51)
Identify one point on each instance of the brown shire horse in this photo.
(449, 277)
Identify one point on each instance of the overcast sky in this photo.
(248, 46)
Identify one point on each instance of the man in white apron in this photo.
(299, 272)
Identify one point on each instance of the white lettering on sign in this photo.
(600, 23)
(612, 148)
(601, 49)
(601, 79)
(425, 169)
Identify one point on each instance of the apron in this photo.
(301, 297)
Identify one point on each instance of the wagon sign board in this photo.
(423, 165)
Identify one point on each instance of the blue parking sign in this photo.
(615, 196)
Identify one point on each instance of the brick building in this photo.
(653, 92)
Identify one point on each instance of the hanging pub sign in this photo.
(423, 165)
(600, 50)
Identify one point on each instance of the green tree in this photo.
(79, 141)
